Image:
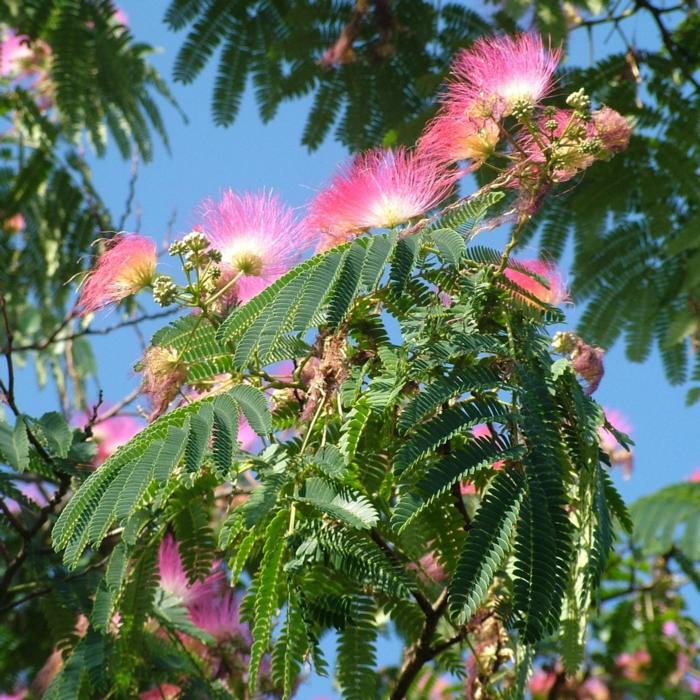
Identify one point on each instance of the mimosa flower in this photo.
(695, 476)
(257, 236)
(380, 188)
(554, 293)
(218, 615)
(612, 129)
(14, 54)
(454, 136)
(173, 579)
(163, 375)
(496, 73)
(108, 433)
(125, 268)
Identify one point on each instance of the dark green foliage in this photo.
(487, 545)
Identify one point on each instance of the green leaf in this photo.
(351, 508)
(254, 406)
(357, 654)
(14, 445)
(669, 518)
(266, 584)
(487, 544)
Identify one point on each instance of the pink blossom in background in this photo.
(31, 491)
(121, 17)
(541, 683)
(695, 476)
(482, 431)
(112, 433)
(218, 615)
(593, 689)
(429, 567)
(380, 188)
(495, 73)
(164, 691)
(17, 695)
(554, 293)
(248, 439)
(694, 685)
(109, 433)
(612, 129)
(14, 51)
(258, 237)
(15, 224)
(173, 579)
(619, 456)
(125, 268)
(632, 666)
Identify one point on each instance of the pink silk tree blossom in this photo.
(108, 433)
(258, 237)
(554, 293)
(125, 268)
(218, 615)
(613, 130)
(496, 73)
(380, 188)
(173, 579)
(455, 136)
(14, 53)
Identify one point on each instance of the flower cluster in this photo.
(491, 113)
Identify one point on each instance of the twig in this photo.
(53, 338)
(421, 651)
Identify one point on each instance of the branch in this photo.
(424, 604)
(421, 651)
(677, 52)
(53, 338)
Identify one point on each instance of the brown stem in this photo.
(422, 650)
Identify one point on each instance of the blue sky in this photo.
(250, 155)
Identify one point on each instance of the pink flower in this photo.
(125, 268)
(33, 492)
(14, 52)
(109, 433)
(554, 293)
(120, 17)
(218, 615)
(429, 568)
(15, 224)
(496, 73)
(612, 129)
(163, 375)
(380, 188)
(112, 433)
(619, 456)
(173, 579)
(164, 691)
(257, 236)
(248, 439)
(454, 136)
(587, 361)
(670, 629)
(593, 689)
(633, 665)
(17, 695)
(695, 476)
(542, 682)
